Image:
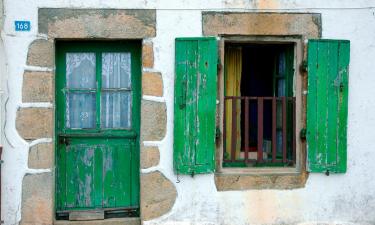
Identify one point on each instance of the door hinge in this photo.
(302, 134)
(64, 141)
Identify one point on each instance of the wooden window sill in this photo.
(231, 179)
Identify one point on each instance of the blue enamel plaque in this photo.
(22, 25)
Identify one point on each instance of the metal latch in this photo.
(64, 141)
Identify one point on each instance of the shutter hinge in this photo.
(218, 133)
(302, 134)
(303, 66)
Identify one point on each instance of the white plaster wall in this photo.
(345, 199)
(2, 73)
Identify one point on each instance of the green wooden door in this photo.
(195, 105)
(97, 125)
(327, 105)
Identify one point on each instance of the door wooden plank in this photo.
(61, 177)
(80, 175)
(116, 170)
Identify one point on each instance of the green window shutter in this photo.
(327, 105)
(195, 105)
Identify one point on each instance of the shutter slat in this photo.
(312, 105)
(322, 104)
(344, 54)
(180, 101)
(194, 124)
(327, 97)
(332, 97)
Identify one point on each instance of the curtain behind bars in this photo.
(233, 70)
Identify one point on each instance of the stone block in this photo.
(305, 24)
(41, 53)
(34, 123)
(231, 182)
(152, 84)
(150, 156)
(97, 23)
(41, 156)
(147, 55)
(153, 120)
(37, 87)
(158, 195)
(37, 199)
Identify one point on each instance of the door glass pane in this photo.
(80, 70)
(116, 109)
(116, 70)
(80, 110)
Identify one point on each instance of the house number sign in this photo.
(22, 25)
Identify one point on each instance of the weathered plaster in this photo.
(337, 199)
(1, 14)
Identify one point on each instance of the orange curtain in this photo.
(233, 70)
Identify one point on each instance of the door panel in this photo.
(116, 169)
(97, 109)
(83, 165)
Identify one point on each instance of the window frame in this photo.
(98, 47)
(299, 87)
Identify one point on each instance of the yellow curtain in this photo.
(233, 70)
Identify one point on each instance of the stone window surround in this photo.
(263, 27)
(38, 87)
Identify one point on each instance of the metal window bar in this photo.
(259, 148)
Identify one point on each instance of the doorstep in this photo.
(117, 221)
